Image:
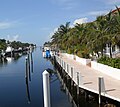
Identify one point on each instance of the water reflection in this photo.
(28, 91)
(53, 75)
(29, 70)
(17, 91)
(3, 60)
(9, 59)
(6, 60)
(51, 72)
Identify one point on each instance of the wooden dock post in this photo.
(29, 67)
(72, 72)
(26, 73)
(31, 62)
(101, 86)
(99, 90)
(77, 78)
(46, 89)
(68, 68)
(71, 75)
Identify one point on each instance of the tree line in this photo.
(89, 38)
(14, 44)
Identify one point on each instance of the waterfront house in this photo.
(115, 50)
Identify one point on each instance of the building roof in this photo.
(116, 10)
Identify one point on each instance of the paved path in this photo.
(90, 79)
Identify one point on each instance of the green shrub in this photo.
(113, 62)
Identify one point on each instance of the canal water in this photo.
(16, 92)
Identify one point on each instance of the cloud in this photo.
(98, 13)
(80, 21)
(8, 24)
(52, 33)
(5, 25)
(13, 38)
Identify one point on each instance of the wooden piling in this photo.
(99, 85)
(29, 67)
(26, 73)
(31, 62)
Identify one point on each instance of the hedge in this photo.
(113, 62)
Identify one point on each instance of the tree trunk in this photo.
(110, 46)
(102, 52)
(98, 54)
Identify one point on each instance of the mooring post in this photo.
(86, 96)
(26, 74)
(77, 78)
(29, 67)
(62, 64)
(78, 91)
(46, 89)
(80, 79)
(101, 86)
(68, 68)
(71, 75)
(72, 72)
(31, 62)
(65, 66)
(99, 80)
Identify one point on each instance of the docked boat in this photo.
(9, 51)
(46, 54)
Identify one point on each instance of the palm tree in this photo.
(117, 33)
(90, 37)
(99, 32)
(60, 36)
(113, 29)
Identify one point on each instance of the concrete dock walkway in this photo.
(90, 78)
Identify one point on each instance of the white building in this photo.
(9, 49)
(115, 51)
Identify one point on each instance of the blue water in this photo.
(13, 87)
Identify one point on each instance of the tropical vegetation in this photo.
(15, 44)
(113, 62)
(88, 39)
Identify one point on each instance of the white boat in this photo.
(9, 49)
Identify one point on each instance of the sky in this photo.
(34, 21)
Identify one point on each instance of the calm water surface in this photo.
(14, 92)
